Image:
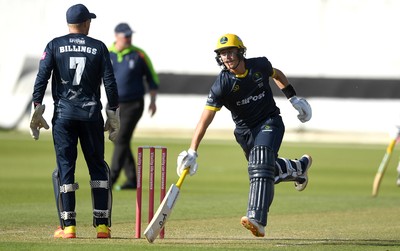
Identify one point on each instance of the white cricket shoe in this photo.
(302, 181)
(256, 229)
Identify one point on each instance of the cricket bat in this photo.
(164, 210)
(382, 168)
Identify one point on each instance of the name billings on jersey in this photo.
(250, 99)
(78, 48)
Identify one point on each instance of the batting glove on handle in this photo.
(395, 132)
(302, 106)
(187, 159)
(112, 124)
(37, 121)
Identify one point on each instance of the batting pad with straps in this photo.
(103, 188)
(59, 190)
(261, 170)
(67, 188)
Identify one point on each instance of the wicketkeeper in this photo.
(78, 65)
(243, 88)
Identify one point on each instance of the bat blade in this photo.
(377, 183)
(163, 212)
(382, 168)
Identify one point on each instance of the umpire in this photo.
(134, 72)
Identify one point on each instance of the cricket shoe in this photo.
(103, 232)
(256, 229)
(398, 181)
(66, 233)
(301, 182)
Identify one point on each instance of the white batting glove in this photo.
(395, 132)
(37, 121)
(112, 124)
(302, 106)
(187, 159)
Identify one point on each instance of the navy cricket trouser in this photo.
(91, 137)
(269, 133)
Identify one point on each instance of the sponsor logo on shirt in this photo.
(267, 128)
(258, 78)
(131, 64)
(90, 103)
(210, 99)
(43, 56)
(79, 41)
(250, 99)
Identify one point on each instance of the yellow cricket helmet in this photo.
(230, 40)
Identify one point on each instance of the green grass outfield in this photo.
(335, 212)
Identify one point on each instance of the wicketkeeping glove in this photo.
(37, 121)
(187, 159)
(302, 106)
(112, 124)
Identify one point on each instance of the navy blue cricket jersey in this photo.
(249, 97)
(77, 65)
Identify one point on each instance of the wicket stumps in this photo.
(152, 150)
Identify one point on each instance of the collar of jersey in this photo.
(121, 54)
(242, 75)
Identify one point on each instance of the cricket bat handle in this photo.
(182, 177)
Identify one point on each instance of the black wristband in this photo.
(289, 91)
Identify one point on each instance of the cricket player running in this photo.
(243, 88)
(78, 64)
